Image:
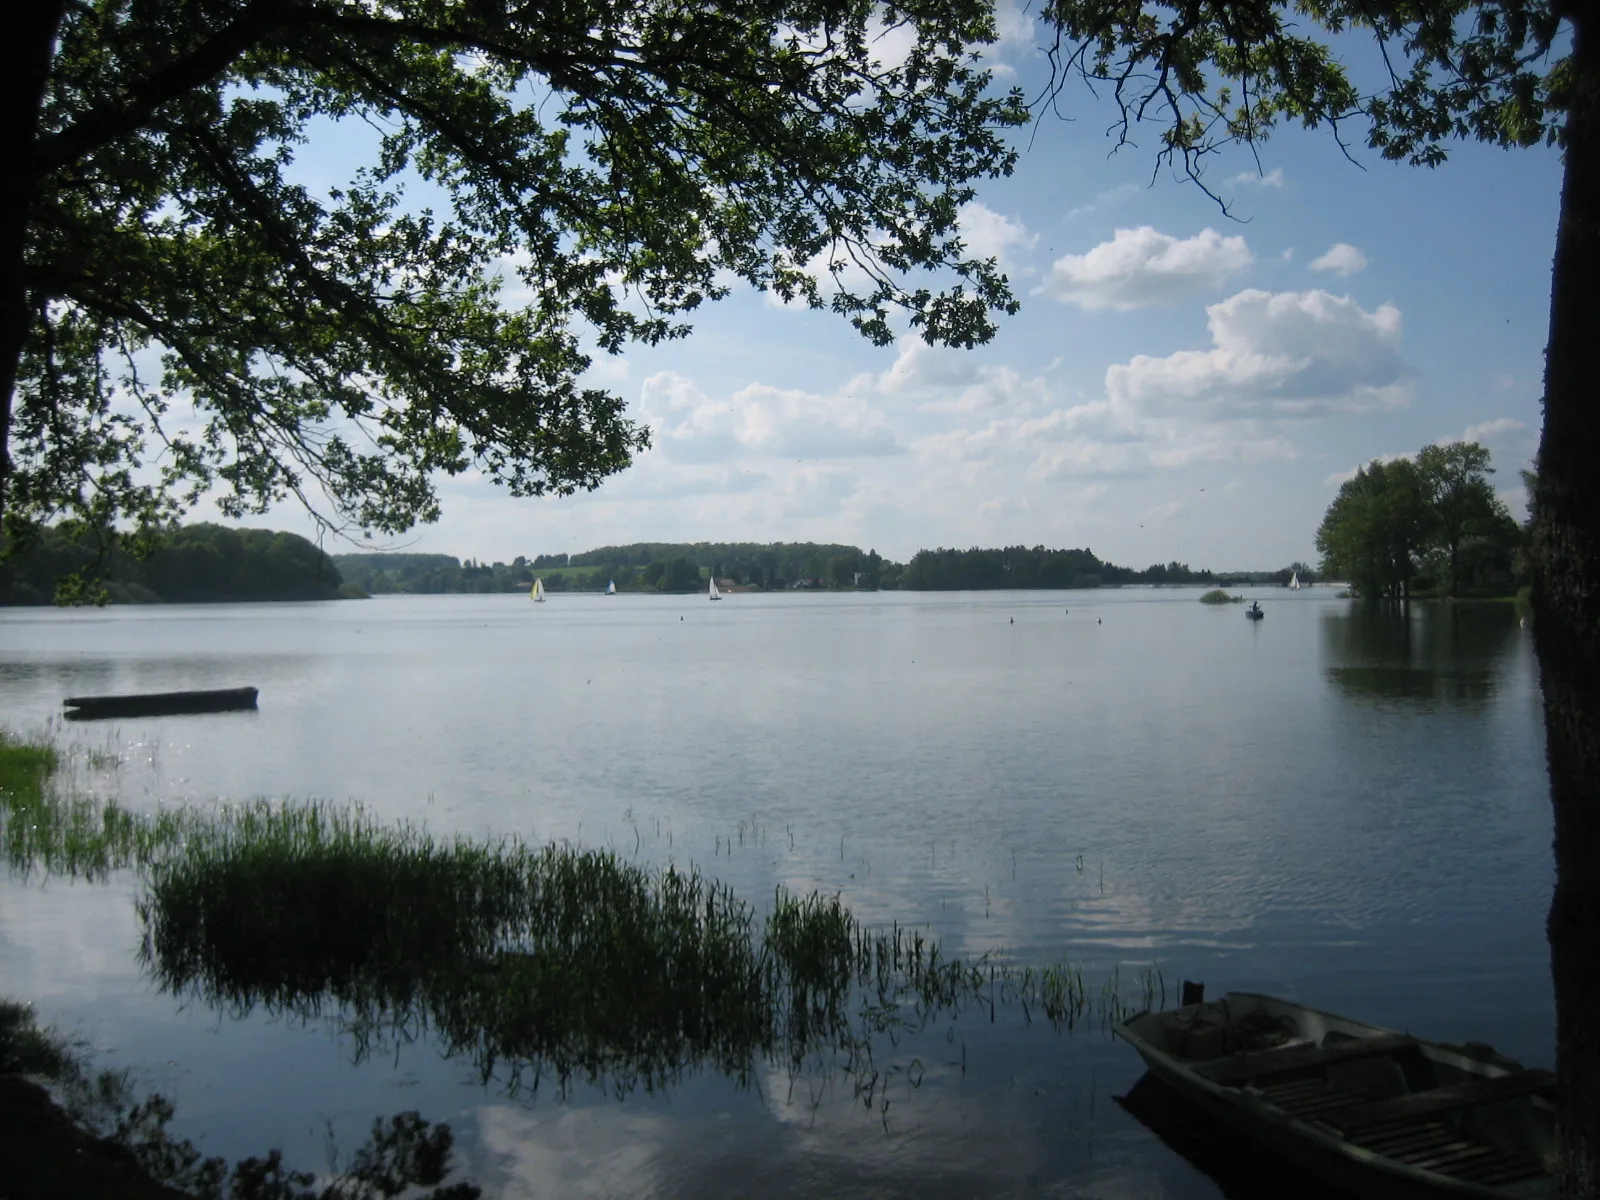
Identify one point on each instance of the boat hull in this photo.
(1315, 1145)
(158, 704)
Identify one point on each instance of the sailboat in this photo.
(715, 595)
(611, 588)
(538, 591)
(1294, 582)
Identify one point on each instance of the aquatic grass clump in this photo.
(24, 769)
(44, 829)
(552, 963)
(612, 973)
(532, 962)
(315, 893)
(1220, 596)
(574, 960)
(812, 940)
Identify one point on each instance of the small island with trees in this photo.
(1422, 526)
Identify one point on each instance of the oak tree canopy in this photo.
(183, 311)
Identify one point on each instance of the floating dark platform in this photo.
(158, 704)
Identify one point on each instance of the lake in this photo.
(1345, 807)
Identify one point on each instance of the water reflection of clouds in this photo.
(1262, 822)
(1030, 1113)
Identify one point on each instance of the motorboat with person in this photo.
(1254, 612)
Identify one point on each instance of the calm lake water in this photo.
(1344, 807)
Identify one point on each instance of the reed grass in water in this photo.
(536, 963)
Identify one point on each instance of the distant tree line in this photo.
(1429, 523)
(431, 574)
(1032, 567)
(212, 562)
(639, 567)
(751, 564)
(187, 564)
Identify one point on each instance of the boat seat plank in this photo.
(1436, 1101)
(1245, 1068)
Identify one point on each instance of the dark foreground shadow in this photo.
(1242, 1168)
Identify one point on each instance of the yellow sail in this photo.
(538, 591)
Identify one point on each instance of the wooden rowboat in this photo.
(156, 704)
(1370, 1110)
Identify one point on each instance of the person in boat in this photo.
(1255, 606)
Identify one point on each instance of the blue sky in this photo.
(1178, 385)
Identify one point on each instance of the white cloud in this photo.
(1014, 32)
(1290, 353)
(934, 379)
(1484, 431)
(1515, 501)
(1098, 438)
(1123, 191)
(759, 421)
(1275, 359)
(653, 477)
(816, 491)
(1272, 179)
(1342, 259)
(1141, 267)
(1492, 431)
(1161, 514)
(793, 424)
(1013, 25)
(1339, 477)
(890, 45)
(988, 234)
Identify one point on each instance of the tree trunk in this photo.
(1566, 605)
(24, 68)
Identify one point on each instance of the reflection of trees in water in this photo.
(1434, 652)
(554, 964)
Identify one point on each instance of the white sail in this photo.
(1294, 582)
(538, 591)
(715, 595)
(611, 588)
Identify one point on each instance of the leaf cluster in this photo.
(1216, 73)
(541, 178)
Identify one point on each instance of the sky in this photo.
(1179, 384)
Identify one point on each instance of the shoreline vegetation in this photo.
(209, 563)
(189, 564)
(542, 965)
(69, 1130)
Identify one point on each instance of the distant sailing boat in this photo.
(611, 588)
(538, 591)
(715, 595)
(1294, 582)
